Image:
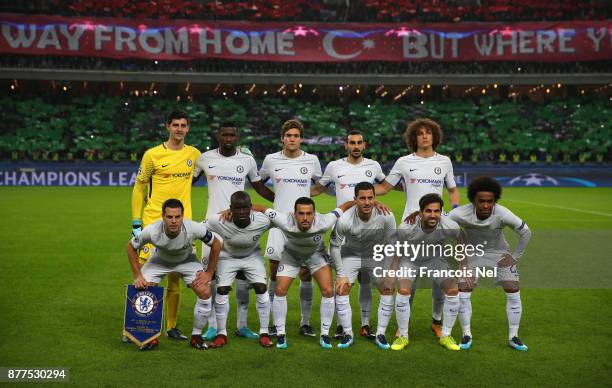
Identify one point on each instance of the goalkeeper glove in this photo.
(136, 228)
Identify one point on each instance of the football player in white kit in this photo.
(483, 221)
(351, 246)
(292, 172)
(241, 254)
(226, 170)
(303, 230)
(431, 230)
(423, 172)
(173, 239)
(344, 174)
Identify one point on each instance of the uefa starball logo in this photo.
(145, 303)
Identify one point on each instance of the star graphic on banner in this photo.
(368, 44)
(533, 180)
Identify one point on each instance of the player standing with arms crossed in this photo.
(292, 171)
(423, 172)
(227, 169)
(344, 174)
(165, 171)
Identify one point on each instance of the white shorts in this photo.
(489, 260)
(252, 267)
(352, 266)
(155, 269)
(290, 266)
(439, 270)
(276, 244)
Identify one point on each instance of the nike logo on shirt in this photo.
(209, 166)
(165, 165)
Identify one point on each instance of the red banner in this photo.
(305, 42)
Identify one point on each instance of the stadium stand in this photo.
(481, 129)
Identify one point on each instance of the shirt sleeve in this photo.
(395, 176)
(199, 166)
(327, 179)
(252, 174)
(449, 179)
(326, 221)
(521, 228)
(316, 173)
(337, 237)
(278, 219)
(145, 171)
(201, 232)
(264, 172)
(390, 230)
(379, 175)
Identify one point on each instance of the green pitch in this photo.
(63, 269)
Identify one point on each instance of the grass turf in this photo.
(63, 269)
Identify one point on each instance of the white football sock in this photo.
(385, 310)
(222, 309)
(327, 313)
(306, 295)
(272, 290)
(212, 319)
(437, 301)
(345, 315)
(402, 313)
(514, 310)
(263, 310)
(201, 312)
(465, 312)
(451, 309)
(365, 302)
(279, 310)
(242, 303)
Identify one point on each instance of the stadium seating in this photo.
(319, 10)
(481, 130)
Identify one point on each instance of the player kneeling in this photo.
(483, 221)
(431, 230)
(173, 239)
(241, 253)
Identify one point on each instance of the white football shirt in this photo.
(177, 249)
(304, 244)
(421, 176)
(344, 176)
(291, 177)
(225, 176)
(357, 238)
(414, 234)
(489, 232)
(239, 242)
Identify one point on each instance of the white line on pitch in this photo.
(562, 208)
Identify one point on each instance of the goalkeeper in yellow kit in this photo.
(166, 171)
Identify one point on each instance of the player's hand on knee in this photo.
(506, 261)
(136, 228)
(342, 285)
(140, 282)
(411, 219)
(203, 277)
